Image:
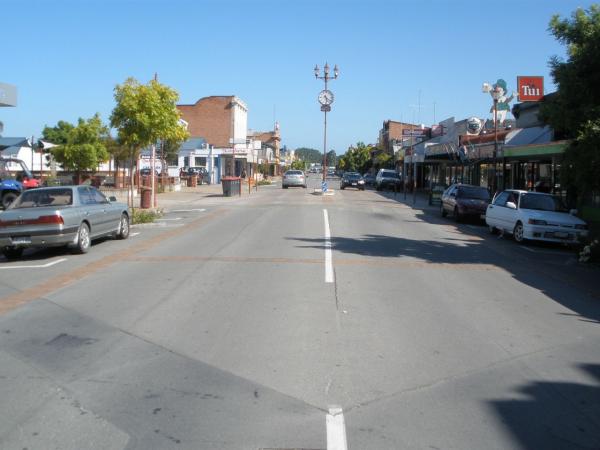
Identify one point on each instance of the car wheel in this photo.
(378, 188)
(493, 230)
(12, 252)
(284, 187)
(123, 232)
(456, 215)
(8, 198)
(83, 239)
(519, 233)
(443, 211)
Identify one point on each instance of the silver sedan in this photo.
(293, 178)
(61, 216)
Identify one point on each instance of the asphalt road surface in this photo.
(289, 320)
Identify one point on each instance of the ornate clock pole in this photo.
(325, 99)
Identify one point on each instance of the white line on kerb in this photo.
(328, 262)
(336, 429)
(38, 266)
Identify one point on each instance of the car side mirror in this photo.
(453, 194)
(511, 205)
(573, 212)
(112, 199)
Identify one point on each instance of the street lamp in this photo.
(496, 92)
(325, 99)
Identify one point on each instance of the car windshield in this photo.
(390, 175)
(479, 193)
(542, 202)
(43, 197)
(352, 176)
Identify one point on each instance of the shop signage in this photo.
(474, 126)
(531, 89)
(417, 132)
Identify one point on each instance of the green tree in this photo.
(357, 158)
(144, 114)
(574, 110)
(298, 165)
(309, 155)
(331, 158)
(82, 146)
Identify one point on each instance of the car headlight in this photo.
(581, 226)
(537, 222)
(361, 181)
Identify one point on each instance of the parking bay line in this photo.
(36, 266)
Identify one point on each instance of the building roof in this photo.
(6, 142)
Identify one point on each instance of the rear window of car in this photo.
(294, 172)
(478, 193)
(45, 197)
(390, 174)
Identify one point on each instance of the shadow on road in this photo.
(572, 286)
(554, 414)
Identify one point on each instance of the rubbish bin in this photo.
(192, 181)
(231, 186)
(146, 199)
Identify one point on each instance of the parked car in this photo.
(388, 179)
(465, 200)
(201, 173)
(369, 179)
(147, 171)
(61, 216)
(293, 178)
(534, 215)
(352, 179)
(13, 172)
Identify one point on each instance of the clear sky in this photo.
(65, 57)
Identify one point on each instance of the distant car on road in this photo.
(536, 216)
(61, 216)
(387, 179)
(369, 179)
(465, 200)
(352, 179)
(293, 178)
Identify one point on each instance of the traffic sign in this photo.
(324, 186)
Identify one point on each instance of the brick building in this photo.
(222, 122)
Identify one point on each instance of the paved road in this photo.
(238, 323)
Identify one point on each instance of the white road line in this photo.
(165, 219)
(133, 234)
(336, 429)
(547, 252)
(328, 261)
(36, 266)
(189, 210)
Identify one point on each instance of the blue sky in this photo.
(65, 57)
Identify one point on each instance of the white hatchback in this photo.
(534, 215)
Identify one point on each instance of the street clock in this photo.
(326, 97)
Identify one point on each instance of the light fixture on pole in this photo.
(496, 92)
(325, 99)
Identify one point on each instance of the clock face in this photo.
(326, 97)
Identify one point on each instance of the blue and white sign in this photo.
(324, 186)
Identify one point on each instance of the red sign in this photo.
(531, 89)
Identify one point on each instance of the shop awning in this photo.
(548, 149)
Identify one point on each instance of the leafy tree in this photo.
(357, 158)
(298, 165)
(309, 155)
(574, 110)
(144, 114)
(331, 158)
(81, 147)
(59, 134)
